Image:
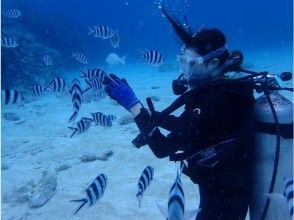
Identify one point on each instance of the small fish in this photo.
(111, 117)
(8, 42)
(287, 196)
(98, 73)
(11, 96)
(48, 60)
(95, 84)
(114, 59)
(144, 181)
(12, 13)
(94, 192)
(152, 57)
(176, 203)
(115, 40)
(100, 119)
(82, 126)
(38, 90)
(76, 94)
(57, 85)
(103, 32)
(80, 57)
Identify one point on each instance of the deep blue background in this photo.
(63, 24)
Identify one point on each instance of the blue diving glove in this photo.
(119, 90)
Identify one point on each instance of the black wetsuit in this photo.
(211, 117)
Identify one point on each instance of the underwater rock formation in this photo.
(63, 167)
(105, 156)
(19, 195)
(44, 190)
(11, 116)
(126, 119)
(23, 66)
(88, 157)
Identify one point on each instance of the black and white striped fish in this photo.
(8, 42)
(111, 117)
(57, 85)
(11, 13)
(95, 84)
(98, 73)
(47, 60)
(176, 203)
(100, 119)
(115, 40)
(144, 181)
(103, 32)
(94, 192)
(152, 57)
(38, 90)
(288, 193)
(11, 96)
(287, 196)
(81, 126)
(76, 94)
(82, 58)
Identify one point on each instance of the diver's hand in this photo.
(119, 90)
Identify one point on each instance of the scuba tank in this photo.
(272, 156)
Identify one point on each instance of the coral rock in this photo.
(105, 156)
(63, 167)
(11, 117)
(88, 157)
(126, 119)
(44, 190)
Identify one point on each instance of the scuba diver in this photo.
(215, 132)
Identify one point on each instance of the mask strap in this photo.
(211, 55)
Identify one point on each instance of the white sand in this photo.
(42, 143)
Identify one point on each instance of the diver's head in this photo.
(204, 55)
(202, 59)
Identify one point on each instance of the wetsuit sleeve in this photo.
(162, 146)
(168, 122)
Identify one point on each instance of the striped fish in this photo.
(287, 196)
(8, 42)
(144, 181)
(94, 78)
(11, 13)
(82, 58)
(95, 84)
(94, 192)
(176, 203)
(115, 40)
(82, 126)
(38, 90)
(47, 60)
(111, 117)
(100, 119)
(288, 193)
(98, 73)
(11, 96)
(152, 57)
(103, 32)
(57, 85)
(76, 94)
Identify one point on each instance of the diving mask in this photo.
(189, 61)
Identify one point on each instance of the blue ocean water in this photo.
(35, 135)
(248, 25)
